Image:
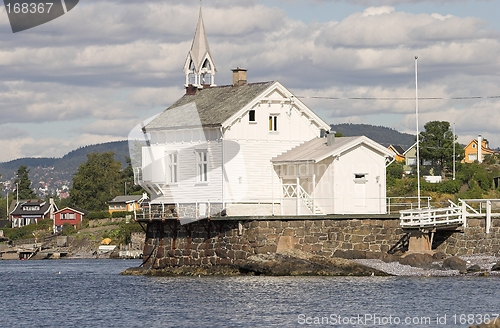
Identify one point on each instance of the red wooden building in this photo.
(68, 215)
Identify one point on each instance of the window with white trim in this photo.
(172, 173)
(202, 166)
(251, 115)
(360, 178)
(68, 216)
(273, 123)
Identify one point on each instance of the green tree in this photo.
(23, 183)
(128, 180)
(436, 144)
(96, 182)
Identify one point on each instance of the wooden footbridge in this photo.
(421, 224)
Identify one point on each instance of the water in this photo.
(91, 293)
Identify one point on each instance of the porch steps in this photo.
(316, 210)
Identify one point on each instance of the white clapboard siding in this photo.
(352, 197)
(250, 177)
(293, 125)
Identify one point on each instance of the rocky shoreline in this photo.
(297, 263)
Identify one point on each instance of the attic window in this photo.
(251, 115)
(473, 145)
(360, 178)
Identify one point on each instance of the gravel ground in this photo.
(397, 269)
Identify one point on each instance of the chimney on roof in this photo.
(330, 138)
(239, 76)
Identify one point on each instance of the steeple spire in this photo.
(199, 67)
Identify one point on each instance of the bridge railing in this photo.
(432, 217)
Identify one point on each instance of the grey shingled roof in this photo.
(316, 149)
(44, 208)
(312, 151)
(208, 107)
(399, 149)
(125, 199)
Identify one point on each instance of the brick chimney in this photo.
(239, 76)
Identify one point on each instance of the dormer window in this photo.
(31, 208)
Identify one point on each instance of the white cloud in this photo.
(112, 63)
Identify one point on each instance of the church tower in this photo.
(199, 67)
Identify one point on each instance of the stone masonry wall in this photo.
(474, 239)
(223, 242)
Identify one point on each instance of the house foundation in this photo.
(224, 241)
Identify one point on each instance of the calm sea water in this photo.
(91, 293)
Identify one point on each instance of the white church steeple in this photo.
(199, 67)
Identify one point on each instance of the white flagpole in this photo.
(418, 143)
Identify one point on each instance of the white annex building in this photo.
(253, 149)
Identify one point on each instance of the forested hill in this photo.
(382, 135)
(67, 165)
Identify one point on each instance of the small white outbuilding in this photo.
(334, 175)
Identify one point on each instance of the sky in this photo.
(93, 74)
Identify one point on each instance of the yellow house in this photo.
(474, 153)
(399, 151)
(126, 203)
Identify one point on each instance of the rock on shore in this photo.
(288, 264)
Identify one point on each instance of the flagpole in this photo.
(418, 143)
(454, 136)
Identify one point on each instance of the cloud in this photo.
(108, 64)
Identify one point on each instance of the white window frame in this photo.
(273, 126)
(201, 165)
(250, 116)
(360, 177)
(172, 168)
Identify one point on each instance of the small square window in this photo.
(251, 115)
(360, 178)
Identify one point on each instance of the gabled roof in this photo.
(317, 150)
(74, 209)
(19, 209)
(410, 148)
(126, 199)
(484, 145)
(397, 149)
(209, 107)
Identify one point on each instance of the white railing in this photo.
(297, 191)
(432, 217)
(448, 216)
(396, 204)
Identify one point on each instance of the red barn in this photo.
(68, 215)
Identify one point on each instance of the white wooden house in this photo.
(210, 152)
(345, 175)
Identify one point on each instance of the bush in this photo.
(68, 230)
(26, 232)
(120, 214)
(450, 186)
(122, 235)
(98, 215)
